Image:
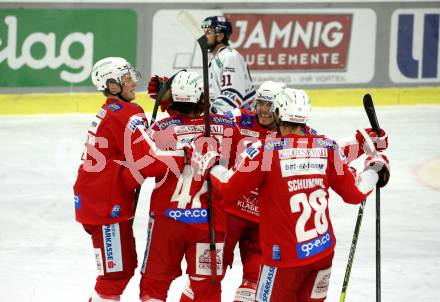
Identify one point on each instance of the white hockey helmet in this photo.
(187, 87)
(268, 91)
(112, 68)
(293, 105)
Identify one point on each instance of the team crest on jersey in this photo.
(169, 122)
(115, 107)
(276, 144)
(247, 120)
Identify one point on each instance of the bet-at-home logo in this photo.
(59, 47)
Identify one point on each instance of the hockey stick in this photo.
(371, 113)
(189, 22)
(162, 90)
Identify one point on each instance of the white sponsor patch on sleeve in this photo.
(99, 264)
(101, 113)
(135, 122)
(203, 259)
(91, 139)
(95, 124)
(322, 281)
(112, 248)
(303, 166)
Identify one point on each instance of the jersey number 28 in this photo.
(316, 200)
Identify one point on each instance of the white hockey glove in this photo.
(379, 163)
(202, 155)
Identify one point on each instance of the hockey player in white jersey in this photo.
(230, 84)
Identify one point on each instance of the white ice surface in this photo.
(46, 256)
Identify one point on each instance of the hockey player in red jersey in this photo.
(178, 225)
(243, 213)
(114, 165)
(293, 172)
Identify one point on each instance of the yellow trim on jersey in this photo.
(51, 103)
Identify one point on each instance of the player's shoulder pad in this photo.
(168, 122)
(227, 58)
(221, 119)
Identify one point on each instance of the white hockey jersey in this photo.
(230, 84)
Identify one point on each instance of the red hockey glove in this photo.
(202, 155)
(380, 142)
(381, 165)
(154, 85)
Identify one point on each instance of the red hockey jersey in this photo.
(293, 174)
(104, 188)
(184, 198)
(246, 206)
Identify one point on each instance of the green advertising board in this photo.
(57, 47)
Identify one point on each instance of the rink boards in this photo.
(11, 104)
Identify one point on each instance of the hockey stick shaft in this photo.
(203, 42)
(188, 21)
(371, 113)
(352, 251)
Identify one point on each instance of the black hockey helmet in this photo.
(219, 24)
